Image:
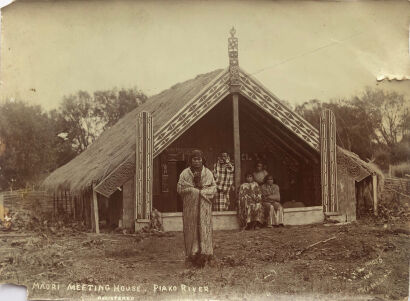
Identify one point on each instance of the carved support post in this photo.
(328, 162)
(235, 85)
(236, 142)
(143, 173)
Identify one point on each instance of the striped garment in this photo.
(224, 177)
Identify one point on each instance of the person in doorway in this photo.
(260, 173)
(224, 177)
(271, 202)
(197, 188)
(250, 211)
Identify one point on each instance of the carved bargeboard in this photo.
(191, 113)
(263, 99)
(121, 174)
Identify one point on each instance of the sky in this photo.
(299, 50)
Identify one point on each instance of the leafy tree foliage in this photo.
(374, 125)
(34, 142)
(79, 122)
(28, 144)
(111, 105)
(86, 116)
(388, 112)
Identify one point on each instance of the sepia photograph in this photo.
(205, 150)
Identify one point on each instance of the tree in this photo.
(34, 143)
(353, 131)
(388, 112)
(80, 123)
(111, 105)
(28, 141)
(86, 117)
(64, 151)
(375, 125)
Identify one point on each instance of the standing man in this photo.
(224, 177)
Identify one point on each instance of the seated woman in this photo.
(260, 173)
(250, 209)
(271, 202)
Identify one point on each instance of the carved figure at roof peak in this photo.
(233, 58)
(233, 32)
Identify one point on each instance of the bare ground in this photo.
(360, 261)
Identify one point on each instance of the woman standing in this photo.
(250, 209)
(271, 202)
(197, 187)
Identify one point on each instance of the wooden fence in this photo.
(19, 200)
(42, 202)
(398, 185)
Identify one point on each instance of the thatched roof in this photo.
(117, 143)
(116, 146)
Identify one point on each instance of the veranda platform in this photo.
(227, 220)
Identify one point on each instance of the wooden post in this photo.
(66, 201)
(375, 201)
(70, 199)
(236, 142)
(62, 201)
(74, 208)
(328, 162)
(2, 207)
(235, 85)
(143, 172)
(54, 205)
(82, 206)
(91, 211)
(94, 213)
(72, 205)
(87, 206)
(58, 203)
(57, 200)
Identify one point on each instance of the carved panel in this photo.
(117, 177)
(144, 164)
(328, 161)
(233, 59)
